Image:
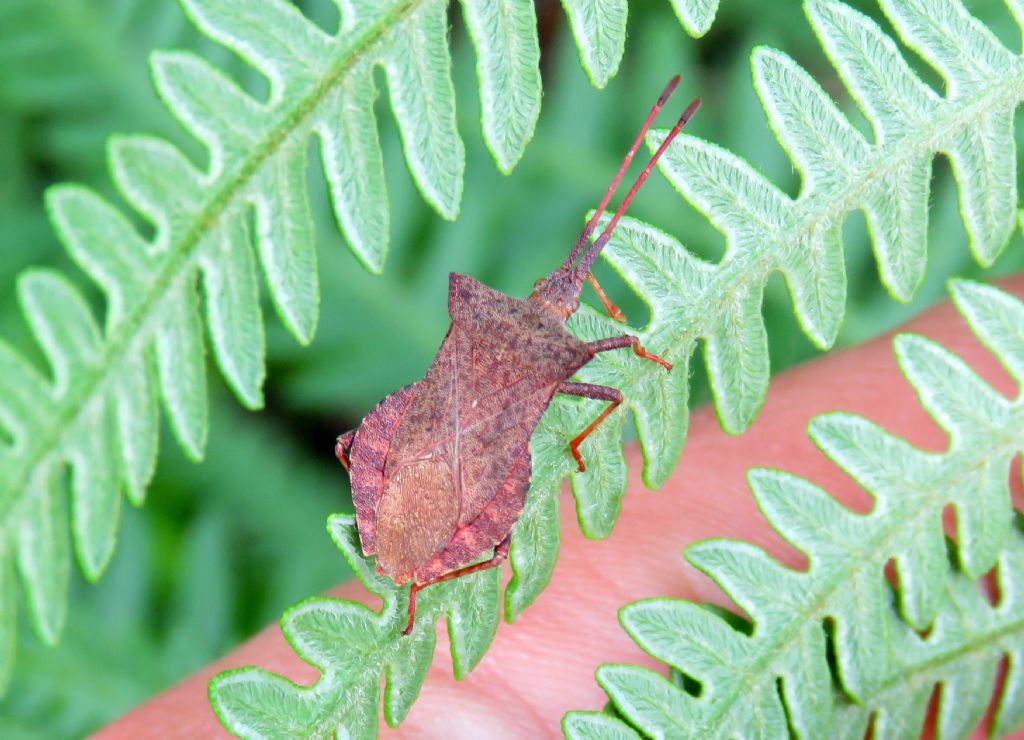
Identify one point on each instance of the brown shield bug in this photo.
(440, 469)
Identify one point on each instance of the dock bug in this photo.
(440, 469)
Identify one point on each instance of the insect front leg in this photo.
(598, 392)
(627, 340)
(614, 311)
(500, 554)
(343, 446)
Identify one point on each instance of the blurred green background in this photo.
(221, 548)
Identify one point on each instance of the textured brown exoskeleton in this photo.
(440, 469)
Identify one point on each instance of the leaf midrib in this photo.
(133, 326)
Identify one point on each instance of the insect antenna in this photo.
(588, 259)
(584, 237)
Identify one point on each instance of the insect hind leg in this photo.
(500, 555)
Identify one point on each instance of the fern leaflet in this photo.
(599, 27)
(881, 662)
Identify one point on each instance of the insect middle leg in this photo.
(603, 392)
(627, 340)
(500, 554)
(598, 392)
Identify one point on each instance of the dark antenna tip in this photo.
(669, 89)
(690, 110)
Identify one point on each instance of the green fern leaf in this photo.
(508, 67)
(595, 726)
(961, 653)
(599, 27)
(63, 324)
(842, 171)
(696, 15)
(880, 659)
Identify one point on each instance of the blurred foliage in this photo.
(222, 548)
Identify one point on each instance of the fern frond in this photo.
(882, 664)
(962, 654)
(215, 228)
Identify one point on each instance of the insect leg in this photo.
(627, 340)
(614, 311)
(500, 554)
(589, 390)
(343, 446)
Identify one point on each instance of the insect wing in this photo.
(368, 454)
(497, 417)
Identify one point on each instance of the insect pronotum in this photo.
(440, 468)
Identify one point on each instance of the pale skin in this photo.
(543, 665)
